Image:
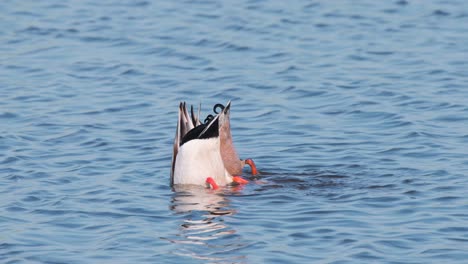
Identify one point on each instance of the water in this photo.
(355, 113)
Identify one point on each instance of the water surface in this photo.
(355, 114)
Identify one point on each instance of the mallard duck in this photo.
(204, 153)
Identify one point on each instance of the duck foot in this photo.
(210, 183)
(239, 180)
(251, 163)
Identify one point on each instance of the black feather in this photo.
(196, 132)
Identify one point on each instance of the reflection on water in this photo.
(197, 198)
(203, 234)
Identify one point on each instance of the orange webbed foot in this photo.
(211, 183)
(253, 168)
(239, 180)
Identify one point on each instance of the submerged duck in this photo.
(204, 153)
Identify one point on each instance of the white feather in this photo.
(199, 159)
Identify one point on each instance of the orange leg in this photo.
(210, 182)
(251, 163)
(239, 180)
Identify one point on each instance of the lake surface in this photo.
(355, 112)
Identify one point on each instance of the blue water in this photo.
(355, 112)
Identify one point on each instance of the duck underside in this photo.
(199, 159)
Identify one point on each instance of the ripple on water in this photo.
(357, 131)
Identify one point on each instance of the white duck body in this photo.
(199, 149)
(198, 159)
